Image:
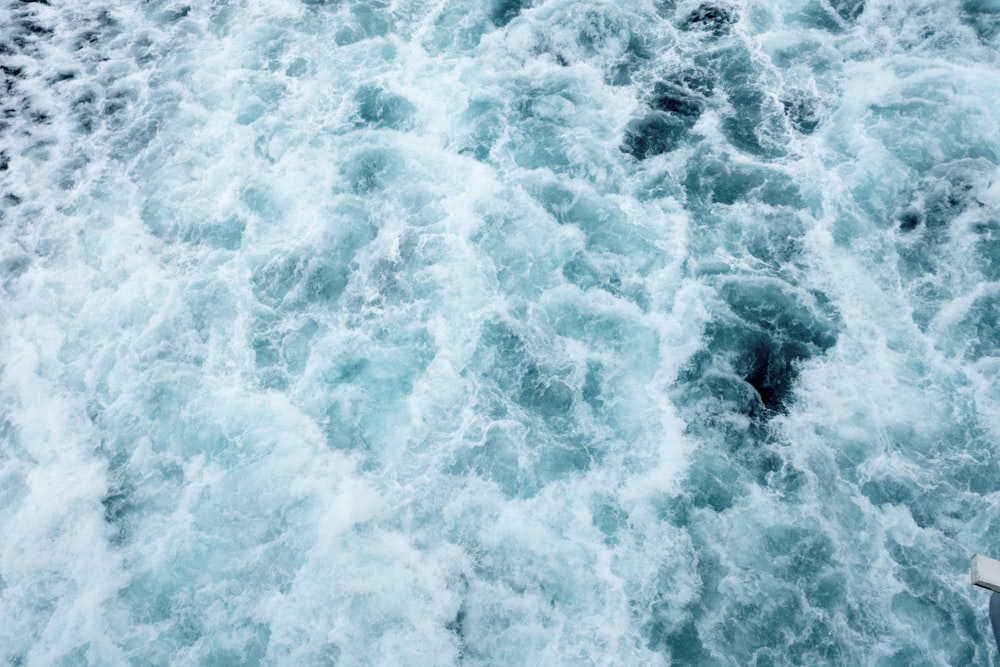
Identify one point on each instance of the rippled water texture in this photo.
(512, 332)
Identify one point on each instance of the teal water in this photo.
(503, 333)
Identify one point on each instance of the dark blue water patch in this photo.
(671, 98)
(909, 219)
(943, 194)
(344, 429)
(712, 482)
(768, 364)
(252, 640)
(794, 553)
(365, 385)
(770, 468)
(504, 358)
(926, 219)
(10, 199)
(758, 623)
(395, 276)
(144, 50)
(773, 328)
(970, 473)
(676, 102)
(61, 76)
(939, 610)
(797, 586)
(86, 111)
(888, 490)
(742, 127)
(517, 272)
(503, 12)
(655, 134)
(983, 16)
(169, 12)
(150, 603)
(684, 643)
(12, 268)
(118, 508)
(981, 328)
(820, 15)
(29, 28)
(919, 254)
(662, 628)
(720, 179)
(910, 557)
(12, 74)
(540, 392)
(391, 276)
(593, 386)
(96, 33)
(558, 199)
(751, 105)
(583, 273)
(129, 495)
(21, 103)
(727, 414)
(379, 108)
(802, 112)
(776, 239)
(789, 314)
(722, 404)
(118, 106)
(453, 29)
(987, 248)
(714, 19)
(456, 626)
(849, 10)
(699, 80)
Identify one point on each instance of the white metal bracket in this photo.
(986, 573)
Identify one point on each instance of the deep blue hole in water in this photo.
(716, 19)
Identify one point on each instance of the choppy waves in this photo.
(498, 333)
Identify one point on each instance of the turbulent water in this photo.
(552, 332)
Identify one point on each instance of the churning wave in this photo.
(512, 332)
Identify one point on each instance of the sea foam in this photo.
(501, 333)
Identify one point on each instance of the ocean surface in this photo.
(511, 332)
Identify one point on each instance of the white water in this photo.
(410, 333)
